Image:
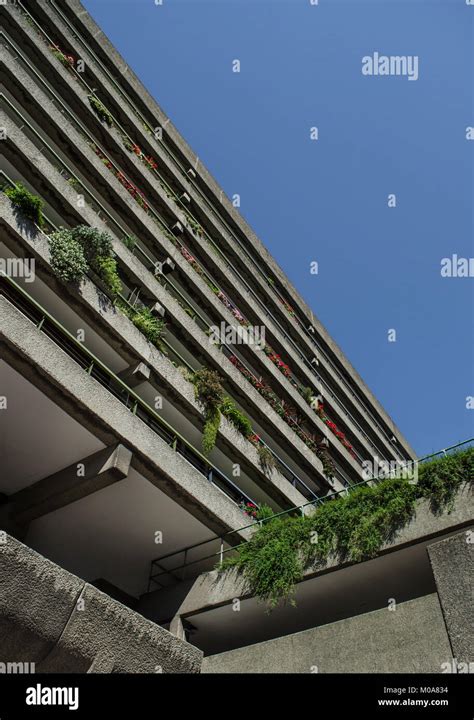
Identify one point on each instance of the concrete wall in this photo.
(411, 638)
(62, 624)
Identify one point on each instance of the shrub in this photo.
(129, 241)
(29, 205)
(100, 110)
(266, 459)
(208, 388)
(439, 480)
(106, 268)
(94, 242)
(67, 257)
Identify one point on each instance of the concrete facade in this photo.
(106, 491)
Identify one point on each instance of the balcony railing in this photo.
(189, 567)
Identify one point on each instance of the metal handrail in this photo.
(297, 509)
(229, 264)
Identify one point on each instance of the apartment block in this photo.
(114, 475)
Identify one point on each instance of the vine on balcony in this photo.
(100, 110)
(351, 528)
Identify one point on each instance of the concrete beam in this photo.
(80, 479)
(135, 375)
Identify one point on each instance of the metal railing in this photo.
(108, 379)
(179, 572)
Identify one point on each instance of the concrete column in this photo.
(452, 562)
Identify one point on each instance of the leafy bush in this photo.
(208, 388)
(209, 391)
(67, 257)
(100, 110)
(439, 480)
(266, 459)
(95, 243)
(29, 205)
(129, 241)
(106, 268)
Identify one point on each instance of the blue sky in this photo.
(326, 200)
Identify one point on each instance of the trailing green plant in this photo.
(100, 110)
(150, 325)
(67, 256)
(240, 421)
(352, 527)
(266, 459)
(439, 479)
(29, 205)
(209, 391)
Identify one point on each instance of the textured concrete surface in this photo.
(411, 638)
(54, 619)
(452, 561)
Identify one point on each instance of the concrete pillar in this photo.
(452, 562)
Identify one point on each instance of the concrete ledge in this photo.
(54, 619)
(410, 639)
(213, 588)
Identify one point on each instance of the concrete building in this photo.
(106, 493)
